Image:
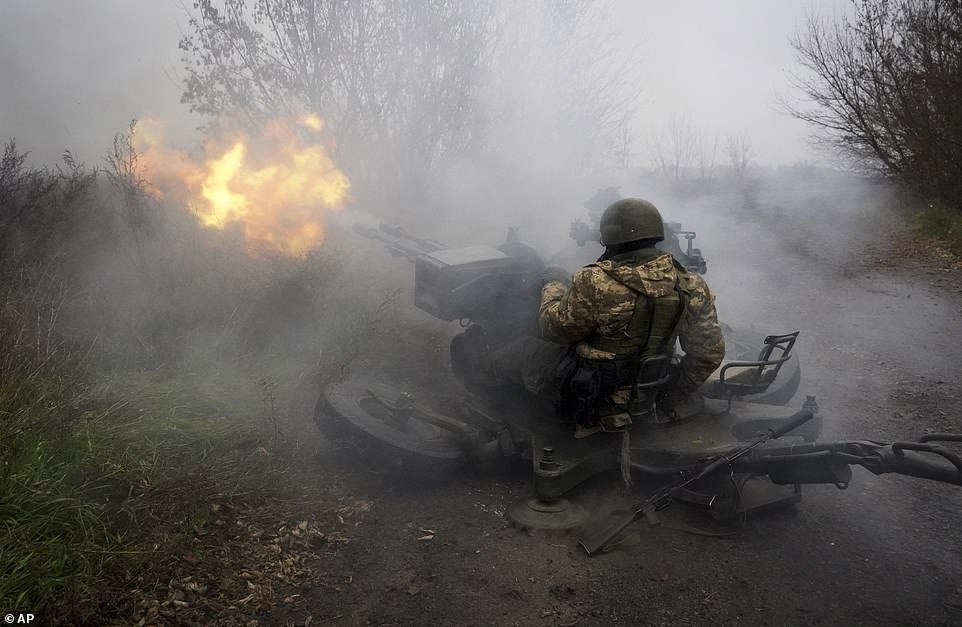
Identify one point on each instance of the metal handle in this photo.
(793, 422)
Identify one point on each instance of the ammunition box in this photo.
(458, 283)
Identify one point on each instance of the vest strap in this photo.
(653, 326)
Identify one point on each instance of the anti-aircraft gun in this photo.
(730, 450)
(475, 283)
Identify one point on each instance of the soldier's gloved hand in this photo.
(555, 273)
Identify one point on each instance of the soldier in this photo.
(599, 325)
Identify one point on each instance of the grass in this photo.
(99, 478)
(942, 222)
(117, 465)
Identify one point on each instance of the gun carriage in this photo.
(735, 447)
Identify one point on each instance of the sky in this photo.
(722, 64)
(75, 73)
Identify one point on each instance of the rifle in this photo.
(597, 542)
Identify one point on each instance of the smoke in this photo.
(279, 298)
(74, 75)
(558, 108)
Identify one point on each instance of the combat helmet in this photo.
(631, 219)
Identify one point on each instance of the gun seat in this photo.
(744, 378)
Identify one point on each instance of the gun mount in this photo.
(700, 457)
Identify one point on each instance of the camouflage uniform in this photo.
(601, 301)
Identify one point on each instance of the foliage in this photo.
(885, 87)
(115, 444)
(75, 506)
(89, 471)
(37, 207)
(942, 222)
(125, 174)
(407, 86)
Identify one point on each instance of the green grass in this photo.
(97, 477)
(104, 478)
(42, 517)
(942, 222)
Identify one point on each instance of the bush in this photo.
(883, 88)
(942, 222)
(113, 450)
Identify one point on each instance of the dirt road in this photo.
(880, 347)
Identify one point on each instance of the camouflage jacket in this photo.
(596, 303)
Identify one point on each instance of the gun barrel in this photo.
(425, 245)
(397, 241)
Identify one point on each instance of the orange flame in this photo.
(276, 184)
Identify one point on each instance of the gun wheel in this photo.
(377, 424)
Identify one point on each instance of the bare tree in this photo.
(738, 147)
(39, 207)
(674, 147)
(706, 154)
(622, 148)
(406, 85)
(393, 78)
(126, 176)
(885, 88)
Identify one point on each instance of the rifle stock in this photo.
(596, 542)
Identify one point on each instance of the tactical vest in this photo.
(653, 327)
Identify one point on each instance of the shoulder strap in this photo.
(659, 316)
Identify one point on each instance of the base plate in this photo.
(557, 515)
